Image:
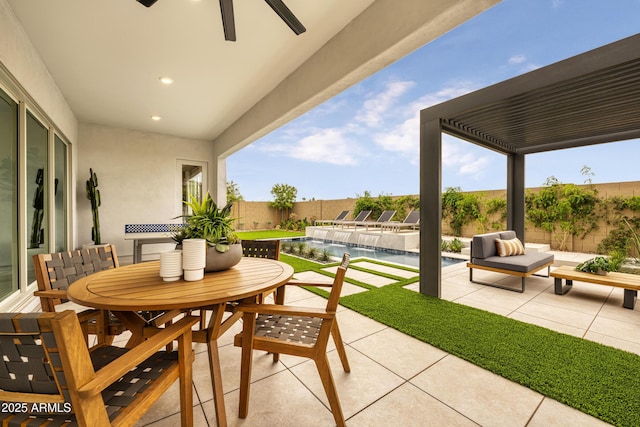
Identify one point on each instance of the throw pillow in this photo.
(509, 247)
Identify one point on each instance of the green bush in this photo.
(456, 245)
(564, 210)
(459, 208)
(376, 206)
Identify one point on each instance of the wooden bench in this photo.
(630, 282)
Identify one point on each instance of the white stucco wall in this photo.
(20, 58)
(137, 179)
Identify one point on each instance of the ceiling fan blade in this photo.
(287, 16)
(228, 21)
(147, 3)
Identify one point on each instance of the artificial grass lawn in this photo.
(268, 234)
(596, 379)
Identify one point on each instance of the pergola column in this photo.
(515, 194)
(430, 207)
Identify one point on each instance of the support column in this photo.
(430, 207)
(515, 194)
(218, 184)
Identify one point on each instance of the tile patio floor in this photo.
(399, 381)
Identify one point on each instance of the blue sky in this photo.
(367, 137)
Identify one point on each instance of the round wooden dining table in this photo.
(139, 288)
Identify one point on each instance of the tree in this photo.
(233, 192)
(564, 210)
(285, 196)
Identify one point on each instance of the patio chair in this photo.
(411, 221)
(362, 216)
(55, 272)
(298, 331)
(341, 216)
(49, 377)
(261, 248)
(264, 249)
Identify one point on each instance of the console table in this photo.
(144, 234)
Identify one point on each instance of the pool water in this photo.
(388, 255)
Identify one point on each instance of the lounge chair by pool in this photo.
(411, 221)
(341, 216)
(362, 216)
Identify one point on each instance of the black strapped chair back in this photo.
(49, 377)
(55, 272)
(261, 248)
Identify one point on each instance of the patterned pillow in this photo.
(509, 247)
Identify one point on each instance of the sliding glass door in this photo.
(34, 193)
(8, 195)
(60, 194)
(37, 209)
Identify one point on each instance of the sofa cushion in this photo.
(507, 235)
(521, 263)
(509, 247)
(484, 245)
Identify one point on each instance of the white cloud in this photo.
(327, 146)
(457, 156)
(373, 109)
(517, 59)
(454, 90)
(404, 138)
(523, 62)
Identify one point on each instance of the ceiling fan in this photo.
(228, 22)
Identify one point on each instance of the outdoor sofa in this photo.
(501, 252)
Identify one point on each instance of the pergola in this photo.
(588, 99)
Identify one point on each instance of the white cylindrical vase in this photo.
(171, 265)
(194, 258)
(193, 275)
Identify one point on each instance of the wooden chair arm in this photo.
(116, 369)
(298, 283)
(53, 293)
(284, 310)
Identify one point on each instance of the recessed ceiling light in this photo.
(155, 118)
(166, 80)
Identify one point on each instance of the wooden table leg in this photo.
(134, 323)
(248, 325)
(213, 332)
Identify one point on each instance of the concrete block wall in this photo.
(261, 216)
(267, 217)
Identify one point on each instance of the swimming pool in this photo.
(388, 255)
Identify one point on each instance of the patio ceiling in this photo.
(587, 99)
(106, 57)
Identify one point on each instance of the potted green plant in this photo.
(215, 225)
(598, 265)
